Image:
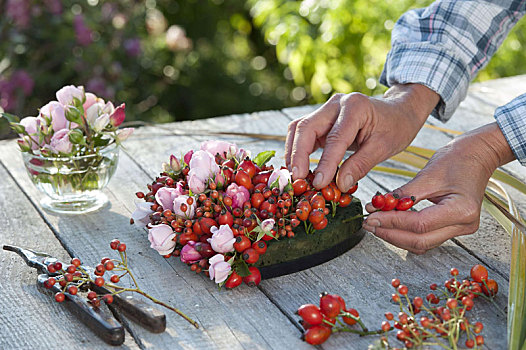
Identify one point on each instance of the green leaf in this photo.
(98, 141)
(275, 183)
(264, 157)
(10, 117)
(241, 268)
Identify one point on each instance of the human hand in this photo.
(376, 128)
(454, 180)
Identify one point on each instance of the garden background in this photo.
(177, 60)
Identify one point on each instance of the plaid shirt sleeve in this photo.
(444, 46)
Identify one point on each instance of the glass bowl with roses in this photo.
(71, 149)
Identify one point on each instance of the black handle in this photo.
(146, 315)
(101, 322)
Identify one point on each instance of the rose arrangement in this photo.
(70, 147)
(77, 124)
(217, 208)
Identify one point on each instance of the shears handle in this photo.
(100, 321)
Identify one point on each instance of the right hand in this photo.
(375, 128)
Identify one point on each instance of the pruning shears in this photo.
(99, 320)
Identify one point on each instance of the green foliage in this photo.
(174, 60)
(331, 45)
(340, 45)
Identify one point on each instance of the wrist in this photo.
(417, 100)
(487, 145)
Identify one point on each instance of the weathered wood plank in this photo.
(244, 318)
(30, 319)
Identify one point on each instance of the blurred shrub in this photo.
(341, 45)
(173, 60)
(167, 60)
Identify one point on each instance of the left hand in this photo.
(454, 180)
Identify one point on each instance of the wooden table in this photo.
(244, 318)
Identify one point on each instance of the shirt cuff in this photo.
(433, 66)
(511, 119)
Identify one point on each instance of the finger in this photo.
(289, 141)
(414, 242)
(424, 185)
(432, 218)
(308, 130)
(338, 140)
(359, 164)
(369, 207)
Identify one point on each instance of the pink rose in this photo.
(175, 164)
(195, 183)
(225, 149)
(165, 196)
(220, 180)
(189, 213)
(97, 109)
(283, 176)
(101, 122)
(239, 195)
(66, 95)
(189, 254)
(188, 156)
(91, 99)
(32, 126)
(118, 115)
(141, 215)
(267, 225)
(60, 142)
(55, 111)
(161, 238)
(219, 269)
(203, 164)
(123, 134)
(222, 240)
(242, 154)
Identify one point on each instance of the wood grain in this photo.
(260, 318)
(227, 319)
(30, 319)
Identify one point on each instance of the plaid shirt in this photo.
(443, 47)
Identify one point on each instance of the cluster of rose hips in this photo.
(330, 316)
(75, 277)
(391, 201)
(287, 207)
(445, 318)
(313, 206)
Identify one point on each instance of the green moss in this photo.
(304, 244)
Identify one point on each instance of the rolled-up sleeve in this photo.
(511, 119)
(444, 45)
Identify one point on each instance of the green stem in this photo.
(355, 217)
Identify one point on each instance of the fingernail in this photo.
(295, 172)
(371, 229)
(348, 181)
(373, 222)
(318, 179)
